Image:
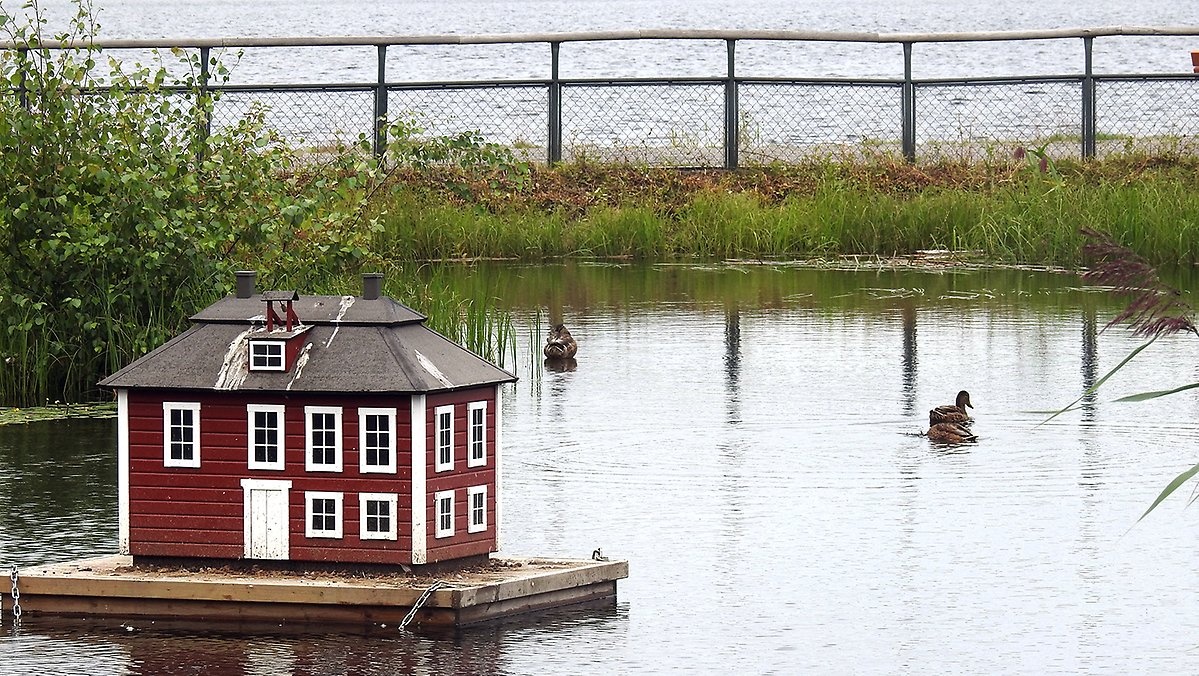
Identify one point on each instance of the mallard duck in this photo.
(559, 344)
(950, 433)
(952, 413)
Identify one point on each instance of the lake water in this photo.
(746, 436)
(279, 18)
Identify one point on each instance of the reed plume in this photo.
(1156, 308)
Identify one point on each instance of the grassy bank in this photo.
(1009, 212)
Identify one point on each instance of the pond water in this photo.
(746, 436)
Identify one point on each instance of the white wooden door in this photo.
(266, 518)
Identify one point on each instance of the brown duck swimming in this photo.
(952, 413)
(559, 344)
(950, 433)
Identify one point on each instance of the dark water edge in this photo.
(57, 490)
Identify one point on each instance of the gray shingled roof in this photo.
(353, 345)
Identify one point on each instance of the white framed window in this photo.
(443, 426)
(322, 441)
(180, 434)
(476, 438)
(476, 509)
(266, 355)
(377, 440)
(322, 514)
(443, 508)
(377, 516)
(265, 435)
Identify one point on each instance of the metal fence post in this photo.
(381, 104)
(554, 142)
(22, 89)
(1088, 101)
(908, 107)
(732, 112)
(205, 102)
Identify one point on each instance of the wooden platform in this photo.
(112, 587)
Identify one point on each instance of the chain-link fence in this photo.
(1153, 116)
(974, 120)
(514, 116)
(665, 124)
(732, 121)
(790, 121)
(317, 119)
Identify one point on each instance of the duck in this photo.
(950, 433)
(559, 344)
(952, 413)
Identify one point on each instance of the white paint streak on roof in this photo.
(433, 370)
(235, 366)
(301, 360)
(346, 303)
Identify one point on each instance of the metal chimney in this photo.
(372, 285)
(245, 283)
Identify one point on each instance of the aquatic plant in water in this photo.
(1156, 309)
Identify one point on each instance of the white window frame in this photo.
(392, 504)
(310, 464)
(390, 466)
(338, 502)
(473, 526)
(474, 441)
(279, 409)
(260, 360)
(169, 407)
(440, 530)
(438, 464)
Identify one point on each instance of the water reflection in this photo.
(732, 362)
(150, 648)
(57, 488)
(1090, 361)
(560, 365)
(909, 358)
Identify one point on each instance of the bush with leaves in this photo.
(121, 213)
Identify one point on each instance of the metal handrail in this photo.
(607, 36)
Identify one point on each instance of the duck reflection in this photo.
(561, 365)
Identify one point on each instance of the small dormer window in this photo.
(266, 355)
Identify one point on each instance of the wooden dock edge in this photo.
(107, 587)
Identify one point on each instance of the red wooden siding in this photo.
(181, 511)
(291, 349)
(460, 478)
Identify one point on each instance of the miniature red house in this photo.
(309, 429)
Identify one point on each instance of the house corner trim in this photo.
(420, 501)
(123, 471)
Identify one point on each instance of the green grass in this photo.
(1016, 217)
